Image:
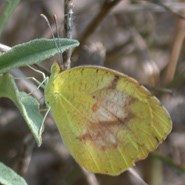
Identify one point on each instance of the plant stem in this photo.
(68, 28)
(8, 10)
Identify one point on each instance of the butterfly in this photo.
(107, 120)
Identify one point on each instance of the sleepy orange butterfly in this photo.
(107, 120)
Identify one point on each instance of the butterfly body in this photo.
(107, 120)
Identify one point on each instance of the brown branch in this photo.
(168, 8)
(151, 70)
(104, 10)
(175, 51)
(68, 28)
(90, 177)
(25, 155)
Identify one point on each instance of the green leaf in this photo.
(9, 177)
(7, 11)
(34, 51)
(27, 105)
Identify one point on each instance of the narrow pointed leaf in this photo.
(27, 105)
(34, 51)
(9, 177)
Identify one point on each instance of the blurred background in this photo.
(144, 39)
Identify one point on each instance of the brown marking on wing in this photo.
(95, 107)
(129, 101)
(114, 82)
(104, 134)
(129, 113)
(127, 118)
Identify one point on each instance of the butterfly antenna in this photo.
(38, 71)
(49, 25)
(53, 36)
(58, 36)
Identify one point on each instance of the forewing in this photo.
(107, 120)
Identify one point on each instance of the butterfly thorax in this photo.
(53, 86)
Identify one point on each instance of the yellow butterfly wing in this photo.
(106, 119)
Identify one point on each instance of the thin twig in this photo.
(137, 176)
(167, 160)
(104, 10)
(68, 28)
(175, 51)
(148, 65)
(90, 177)
(168, 8)
(178, 81)
(159, 90)
(176, 7)
(25, 155)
